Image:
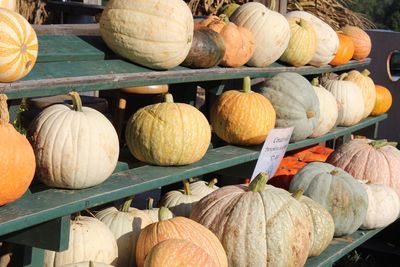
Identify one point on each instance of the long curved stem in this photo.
(76, 101)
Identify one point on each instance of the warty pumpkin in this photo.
(179, 228)
(18, 46)
(376, 161)
(178, 253)
(295, 103)
(383, 100)
(9, 4)
(302, 44)
(203, 188)
(99, 245)
(152, 212)
(361, 40)
(345, 50)
(168, 133)
(250, 222)
(163, 39)
(270, 29)
(126, 225)
(75, 147)
(242, 117)
(336, 190)
(17, 160)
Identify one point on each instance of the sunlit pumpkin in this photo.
(383, 100)
(9, 4)
(361, 40)
(345, 50)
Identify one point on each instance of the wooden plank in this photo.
(47, 203)
(53, 78)
(67, 29)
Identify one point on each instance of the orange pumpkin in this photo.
(345, 50)
(212, 22)
(361, 40)
(288, 168)
(312, 154)
(17, 161)
(383, 100)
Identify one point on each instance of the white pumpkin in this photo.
(349, 99)
(9, 4)
(75, 147)
(383, 206)
(270, 29)
(126, 226)
(152, 212)
(203, 188)
(89, 240)
(88, 264)
(152, 33)
(328, 110)
(180, 202)
(327, 39)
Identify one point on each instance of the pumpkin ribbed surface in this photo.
(383, 100)
(18, 46)
(9, 4)
(345, 50)
(361, 40)
(162, 40)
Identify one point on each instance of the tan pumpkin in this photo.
(18, 46)
(126, 226)
(179, 228)
(163, 39)
(258, 225)
(9, 4)
(302, 44)
(168, 133)
(361, 40)
(376, 161)
(383, 100)
(178, 253)
(270, 29)
(242, 117)
(367, 86)
(152, 212)
(203, 188)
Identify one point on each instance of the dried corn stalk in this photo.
(209, 7)
(33, 10)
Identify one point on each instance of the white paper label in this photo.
(273, 150)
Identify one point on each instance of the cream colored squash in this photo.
(87, 264)
(328, 110)
(203, 188)
(270, 29)
(9, 4)
(152, 213)
(367, 87)
(156, 34)
(327, 39)
(75, 147)
(126, 226)
(89, 240)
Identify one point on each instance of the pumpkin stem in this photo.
(76, 101)
(301, 23)
(127, 204)
(334, 172)
(381, 143)
(4, 115)
(91, 264)
(310, 114)
(224, 18)
(186, 187)
(366, 72)
(163, 213)
(212, 183)
(246, 84)
(150, 203)
(298, 194)
(315, 81)
(259, 183)
(343, 76)
(272, 4)
(168, 98)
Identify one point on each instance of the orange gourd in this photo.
(288, 168)
(383, 100)
(345, 50)
(17, 161)
(315, 153)
(361, 40)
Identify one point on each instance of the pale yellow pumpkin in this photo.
(18, 46)
(203, 188)
(302, 44)
(9, 4)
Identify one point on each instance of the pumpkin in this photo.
(345, 50)
(203, 188)
(383, 100)
(367, 86)
(182, 138)
(344, 197)
(242, 117)
(179, 228)
(178, 252)
(152, 213)
(146, 90)
(252, 220)
(180, 202)
(328, 107)
(314, 153)
(295, 103)
(75, 147)
(327, 39)
(383, 206)
(9, 4)
(87, 264)
(18, 46)
(376, 161)
(126, 226)
(212, 22)
(361, 40)
(207, 49)
(99, 245)
(302, 44)
(163, 39)
(17, 160)
(288, 167)
(349, 98)
(270, 29)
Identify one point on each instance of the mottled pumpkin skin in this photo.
(344, 198)
(383, 100)
(207, 49)
(267, 228)
(178, 253)
(295, 103)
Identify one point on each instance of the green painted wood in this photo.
(52, 78)
(33, 257)
(51, 235)
(46, 204)
(66, 48)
